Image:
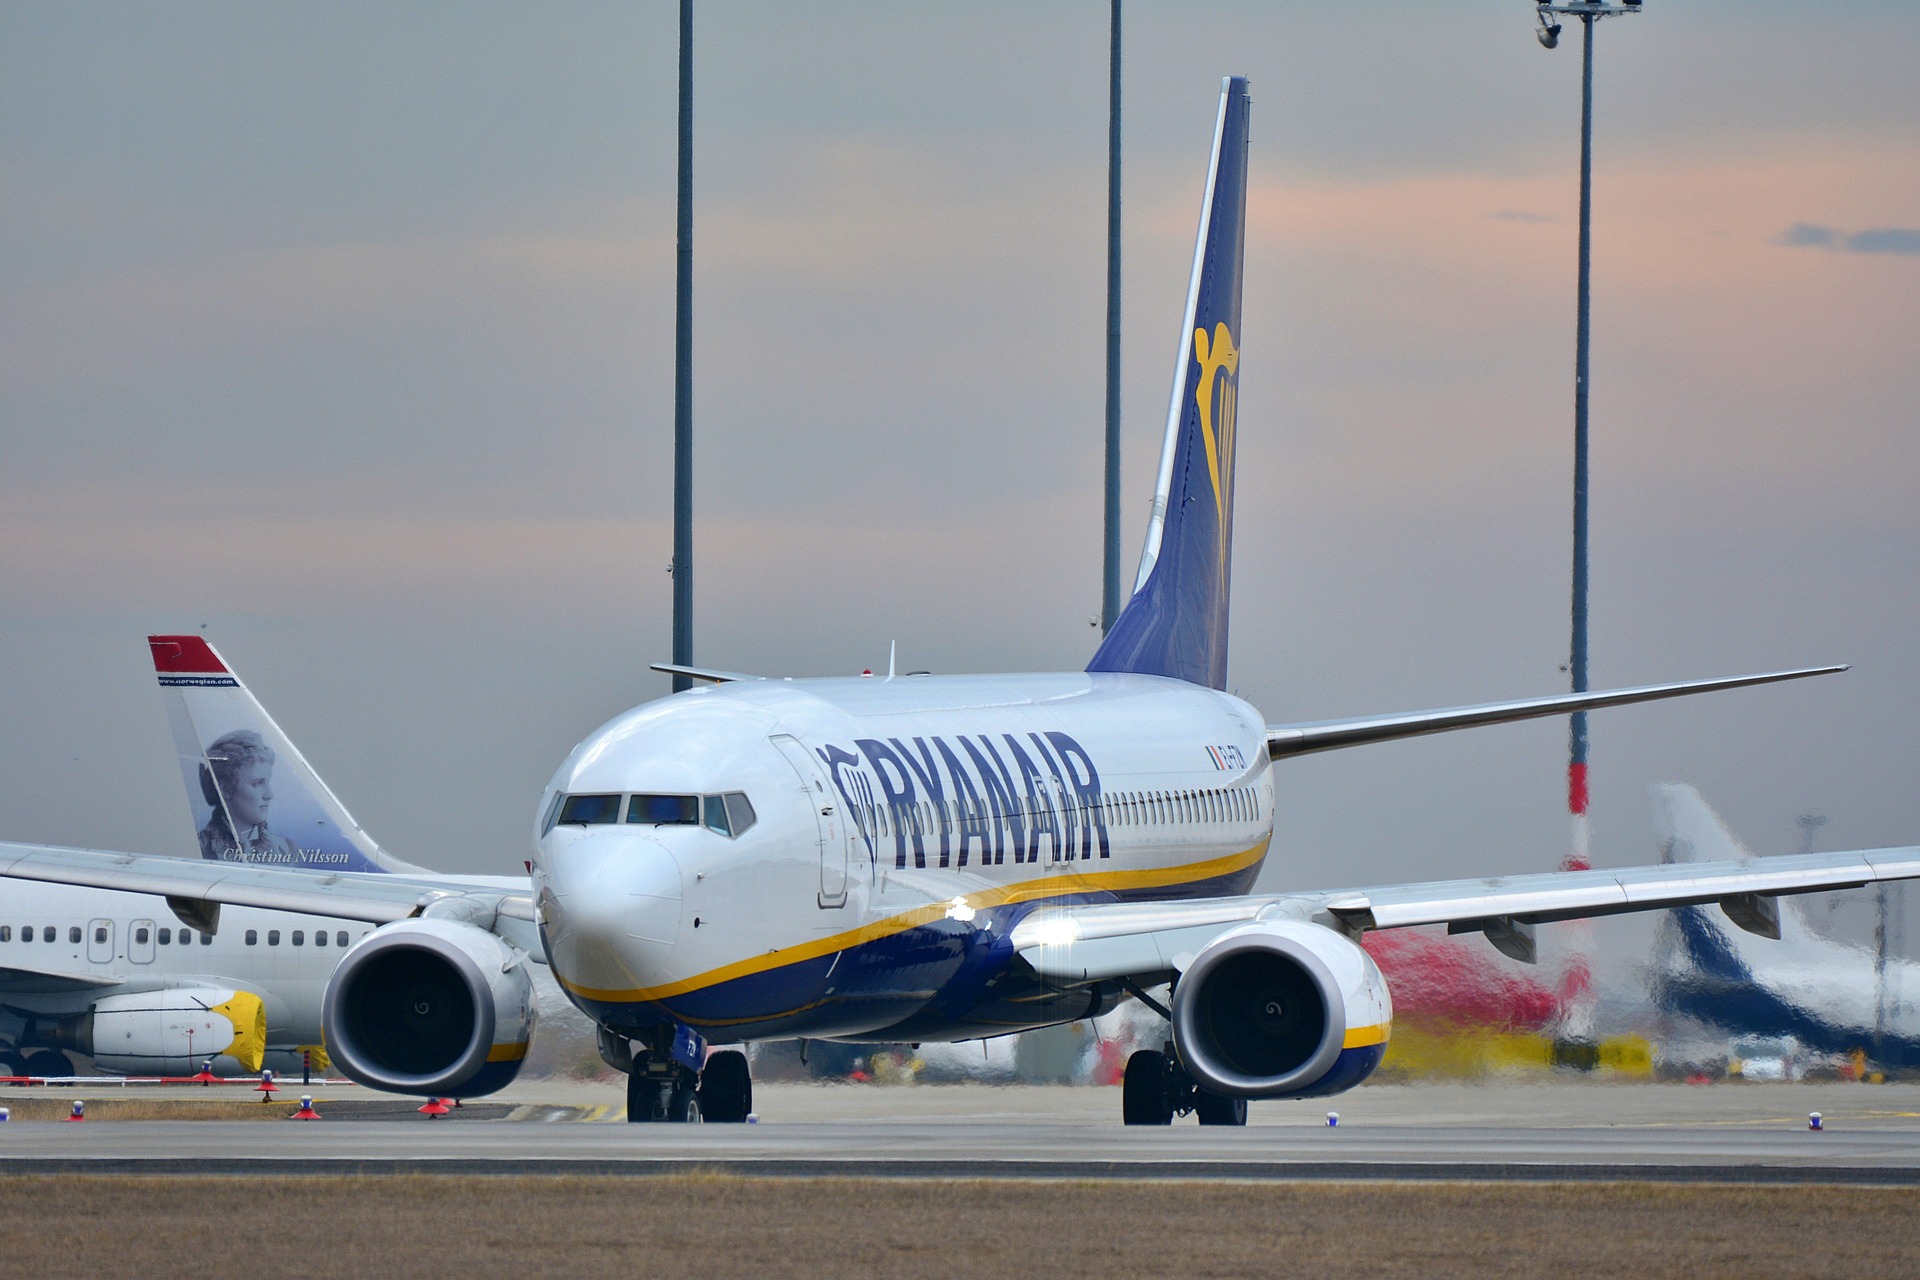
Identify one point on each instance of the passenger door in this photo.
(826, 812)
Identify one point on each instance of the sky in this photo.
(345, 333)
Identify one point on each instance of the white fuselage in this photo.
(901, 827)
(109, 943)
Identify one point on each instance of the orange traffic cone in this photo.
(306, 1111)
(434, 1109)
(205, 1075)
(266, 1088)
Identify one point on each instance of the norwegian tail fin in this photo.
(1175, 624)
(253, 796)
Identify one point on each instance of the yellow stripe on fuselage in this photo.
(1361, 1037)
(1057, 885)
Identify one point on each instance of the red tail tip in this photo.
(185, 655)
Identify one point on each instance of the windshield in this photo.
(582, 810)
(664, 810)
(727, 814)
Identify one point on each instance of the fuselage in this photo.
(899, 829)
(89, 943)
(65, 947)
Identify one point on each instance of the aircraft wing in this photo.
(25, 980)
(194, 889)
(1155, 939)
(1325, 735)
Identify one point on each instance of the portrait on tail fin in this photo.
(236, 780)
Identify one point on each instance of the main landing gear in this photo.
(1156, 1088)
(663, 1087)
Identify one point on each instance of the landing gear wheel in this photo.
(726, 1088)
(12, 1064)
(683, 1102)
(646, 1101)
(48, 1062)
(1211, 1108)
(1145, 1095)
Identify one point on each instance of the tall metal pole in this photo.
(1578, 855)
(1110, 576)
(683, 369)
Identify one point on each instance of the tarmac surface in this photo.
(1564, 1130)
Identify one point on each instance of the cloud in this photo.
(1522, 215)
(1885, 240)
(1878, 240)
(1807, 234)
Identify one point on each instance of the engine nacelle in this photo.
(1281, 1009)
(430, 1007)
(173, 1032)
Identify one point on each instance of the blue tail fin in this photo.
(1176, 622)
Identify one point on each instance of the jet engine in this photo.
(1280, 1009)
(172, 1032)
(430, 1006)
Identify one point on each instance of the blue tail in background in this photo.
(1175, 624)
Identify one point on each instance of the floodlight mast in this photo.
(1579, 857)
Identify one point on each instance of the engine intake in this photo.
(1281, 1009)
(430, 1007)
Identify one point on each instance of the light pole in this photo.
(683, 367)
(1110, 545)
(1578, 858)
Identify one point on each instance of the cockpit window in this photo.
(740, 814)
(664, 810)
(729, 814)
(583, 810)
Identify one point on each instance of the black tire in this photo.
(48, 1062)
(726, 1088)
(13, 1064)
(1143, 1089)
(1211, 1108)
(683, 1103)
(644, 1103)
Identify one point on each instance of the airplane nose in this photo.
(612, 910)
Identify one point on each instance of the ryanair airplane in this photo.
(934, 858)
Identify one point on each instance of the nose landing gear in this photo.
(672, 1079)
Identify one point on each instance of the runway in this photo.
(1562, 1131)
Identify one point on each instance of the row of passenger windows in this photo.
(101, 933)
(1117, 809)
(167, 937)
(730, 814)
(298, 937)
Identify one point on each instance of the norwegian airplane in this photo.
(151, 987)
(929, 858)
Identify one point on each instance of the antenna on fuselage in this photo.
(892, 647)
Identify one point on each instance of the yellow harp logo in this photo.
(1216, 396)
